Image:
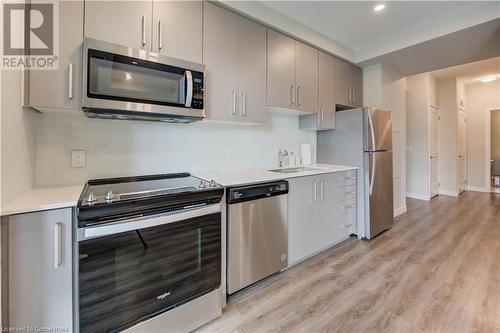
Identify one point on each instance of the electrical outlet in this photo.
(78, 158)
(230, 153)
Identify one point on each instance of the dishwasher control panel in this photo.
(257, 191)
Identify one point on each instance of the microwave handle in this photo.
(189, 91)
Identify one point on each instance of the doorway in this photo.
(434, 151)
(495, 151)
(462, 151)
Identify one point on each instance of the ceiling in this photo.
(357, 26)
(470, 73)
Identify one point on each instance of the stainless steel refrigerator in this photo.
(363, 138)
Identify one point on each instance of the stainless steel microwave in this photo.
(124, 83)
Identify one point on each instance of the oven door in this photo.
(135, 274)
(125, 79)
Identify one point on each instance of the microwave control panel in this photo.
(198, 90)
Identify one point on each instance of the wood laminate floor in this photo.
(436, 270)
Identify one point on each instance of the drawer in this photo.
(348, 220)
(347, 179)
(348, 206)
(347, 192)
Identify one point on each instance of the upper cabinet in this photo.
(61, 88)
(177, 29)
(172, 28)
(234, 53)
(349, 85)
(292, 73)
(324, 119)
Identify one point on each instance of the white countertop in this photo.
(62, 197)
(249, 176)
(43, 199)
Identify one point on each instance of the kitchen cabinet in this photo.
(40, 269)
(125, 23)
(172, 28)
(177, 29)
(324, 119)
(234, 53)
(349, 85)
(321, 213)
(292, 73)
(61, 88)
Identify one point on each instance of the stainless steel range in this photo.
(149, 252)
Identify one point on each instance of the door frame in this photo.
(462, 109)
(429, 110)
(487, 145)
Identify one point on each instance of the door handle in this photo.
(370, 121)
(70, 81)
(143, 30)
(57, 245)
(292, 91)
(349, 95)
(234, 104)
(372, 174)
(244, 104)
(299, 95)
(160, 36)
(189, 92)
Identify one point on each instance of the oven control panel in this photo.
(198, 90)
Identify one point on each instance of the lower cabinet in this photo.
(321, 213)
(39, 252)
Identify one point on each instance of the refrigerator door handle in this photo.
(372, 176)
(370, 121)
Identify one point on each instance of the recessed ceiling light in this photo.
(488, 78)
(379, 7)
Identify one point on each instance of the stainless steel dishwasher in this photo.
(257, 233)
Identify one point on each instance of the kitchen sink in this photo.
(293, 170)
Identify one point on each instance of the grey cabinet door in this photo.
(40, 269)
(357, 79)
(125, 23)
(326, 92)
(251, 71)
(281, 88)
(177, 29)
(306, 77)
(220, 55)
(343, 83)
(61, 89)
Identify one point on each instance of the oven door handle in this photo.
(145, 222)
(189, 90)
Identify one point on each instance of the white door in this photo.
(434, 150)
(462, 151)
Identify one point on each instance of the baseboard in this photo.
(448, 193)
(417, 196)
(400, 210)
(477, 188)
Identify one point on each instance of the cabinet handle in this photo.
(315, 191)
(349, 177)
(244, 104)
(70, 81)
(160, 36)
(321, 192)
(347, 207)
(143, 30)
(299, 95)
(57, 245)
(321, 114)
(234, 104)
(347, 193)
(292, 91)
(353, 96)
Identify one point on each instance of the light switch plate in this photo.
(78, 158)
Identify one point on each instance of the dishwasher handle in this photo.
(256, 191)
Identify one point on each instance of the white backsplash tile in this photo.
(121, 148)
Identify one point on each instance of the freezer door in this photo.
(377, 126)
(379, 196)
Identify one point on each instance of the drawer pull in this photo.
(350, 178)
(347, 193)
(347, 207)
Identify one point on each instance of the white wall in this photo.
(420, 95)
(16, 139)
(120, 148)
(479, 98)
(386, 89)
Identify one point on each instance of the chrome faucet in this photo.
(281, 156)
